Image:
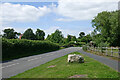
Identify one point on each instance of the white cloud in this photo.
(22, 13)
(84, 9)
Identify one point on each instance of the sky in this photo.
(70, 17)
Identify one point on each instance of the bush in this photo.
(84, 48)
(15, 48)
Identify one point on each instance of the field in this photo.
(59, 68)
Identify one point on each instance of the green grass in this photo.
(63, 69)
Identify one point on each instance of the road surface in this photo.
(17, 66)
(109, 62)
(14, 67)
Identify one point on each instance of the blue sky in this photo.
(49, 16)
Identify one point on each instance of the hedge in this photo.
(15, 48)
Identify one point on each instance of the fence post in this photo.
(106, 52)
(88, 48)
(99, 50)
(111, 51)
(119, 51)
(95, 49)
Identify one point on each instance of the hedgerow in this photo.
(15, 48)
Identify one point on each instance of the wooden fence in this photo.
(108, 51)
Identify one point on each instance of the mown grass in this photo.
(63, 69)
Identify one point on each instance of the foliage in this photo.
(10, 33)
(13, 48)
(28, 34)
(106, 23)
(86, 38)
(81, 35)
(84, 47)
(74, 44)
(40, 34)
(55, 37)
(74, 38)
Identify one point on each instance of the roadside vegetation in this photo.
(15, 48)
(106, 34)
(60, 68)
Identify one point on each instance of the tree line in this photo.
(28, 34)
(56, 37)
(106, 32)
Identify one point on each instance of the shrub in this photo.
(15, 48)
(84, 47)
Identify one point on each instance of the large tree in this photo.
(10, 34)
(28, 34)
(106, 23)
(55, 37)
(40, 34)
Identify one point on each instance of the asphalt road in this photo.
(14, 67)
(107, 61)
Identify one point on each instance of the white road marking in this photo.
(32, 59)
(10, 65)
(47, 55)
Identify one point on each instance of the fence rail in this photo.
(108, 51)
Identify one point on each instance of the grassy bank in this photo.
(59, 68)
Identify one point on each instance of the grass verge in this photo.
(59, 68)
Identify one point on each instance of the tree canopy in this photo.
(81, 35)
(40, 34)
(28, 34)
(55, 37)
(10, 34)
(106, 23)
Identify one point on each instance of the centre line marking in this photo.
(10, 65)
(32, 59)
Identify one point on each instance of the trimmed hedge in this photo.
(15, 48)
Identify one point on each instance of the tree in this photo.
(55, 37)
(40, 34)
(86, 38)
(28, 34)
(81, 35)
(106, 23)
(68, 39)
(73, 38)
(10, 34)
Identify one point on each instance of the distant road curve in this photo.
(17, 66)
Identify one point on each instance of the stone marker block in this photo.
(75, 58)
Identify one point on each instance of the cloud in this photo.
(84, 9)
(22, 13)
